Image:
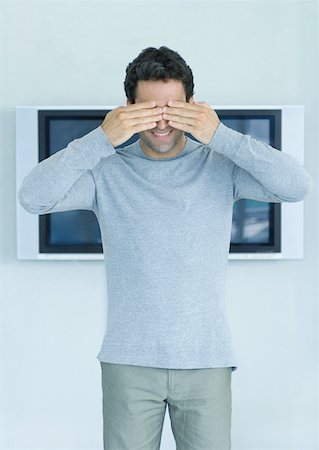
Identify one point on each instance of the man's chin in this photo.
(163, 148)
(149, 140)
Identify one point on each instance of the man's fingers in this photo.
(143, 127)
(182, 109)
(142, 113)
(180, 112)
(174, 113)
(126, 112)
(137, 106)
(193, 121)
(181, 126)
(184, 105)
(194, 106)
(140, 120)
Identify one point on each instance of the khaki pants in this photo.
(135, 400)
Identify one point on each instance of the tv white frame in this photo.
(292, 142)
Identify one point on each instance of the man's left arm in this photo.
(260, 172)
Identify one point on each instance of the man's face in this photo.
(157, 142)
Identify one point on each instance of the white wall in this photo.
(53, 313)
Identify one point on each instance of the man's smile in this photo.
(162, 135)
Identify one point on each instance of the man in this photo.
(164, 206)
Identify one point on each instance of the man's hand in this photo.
(122, 122)
(197, 118)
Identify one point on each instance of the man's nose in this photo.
(162, 124)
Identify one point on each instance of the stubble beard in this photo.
(177, 140)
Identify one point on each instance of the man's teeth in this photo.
(161, 134)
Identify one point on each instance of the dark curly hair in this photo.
(158, 64)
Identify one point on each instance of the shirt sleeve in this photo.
(64, 181)
(260, 171)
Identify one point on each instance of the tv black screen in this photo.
(255, 225)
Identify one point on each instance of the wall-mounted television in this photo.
(260, 230)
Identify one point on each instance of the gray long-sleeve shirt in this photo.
(165, 227)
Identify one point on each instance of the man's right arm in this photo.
(64, 181)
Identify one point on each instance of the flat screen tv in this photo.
(259, 229)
